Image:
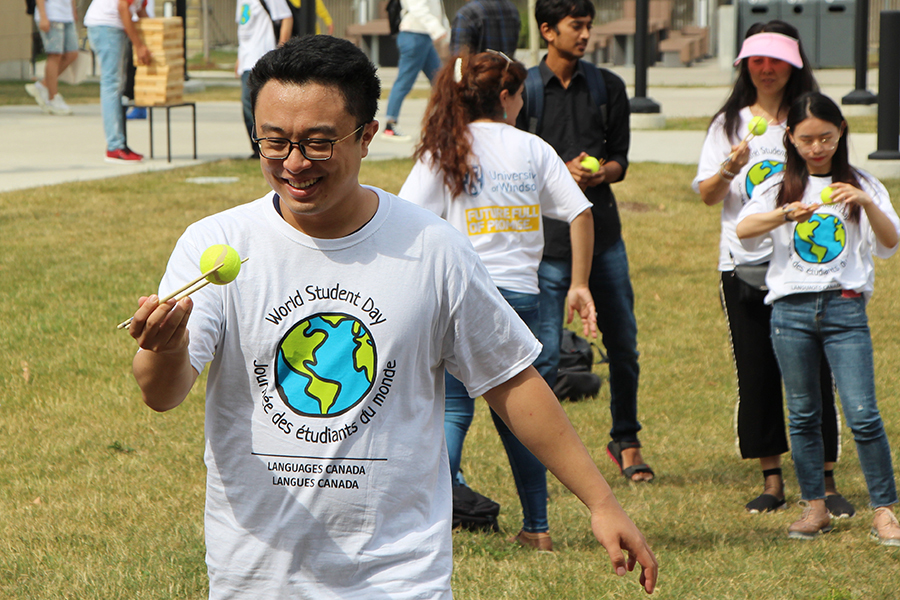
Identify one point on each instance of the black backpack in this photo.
(574, 379)
(30, 6)
(473, 511)
(394, 8)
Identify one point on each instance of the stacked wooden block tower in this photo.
(162, 81)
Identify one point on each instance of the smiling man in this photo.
(328, 475)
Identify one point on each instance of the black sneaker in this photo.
(393, 134)
(839, 507)
(764, 503)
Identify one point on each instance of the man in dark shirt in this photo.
(577, 127)
(486, 24)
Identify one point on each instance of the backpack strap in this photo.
(534, 99)
(534, 95)
(597, 89)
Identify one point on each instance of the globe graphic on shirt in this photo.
(821, 239)
(761, 171)
(325, 365)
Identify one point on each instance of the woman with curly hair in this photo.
(494, 182)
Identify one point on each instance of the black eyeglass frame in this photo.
(299, 145)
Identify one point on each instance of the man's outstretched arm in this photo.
(527, 405)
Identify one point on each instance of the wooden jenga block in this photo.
(162, 81)
(164, 38)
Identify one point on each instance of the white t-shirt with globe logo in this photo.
(766, 159)
(328, 475)
(828, 252)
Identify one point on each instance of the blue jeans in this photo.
(529, 474)
(417, 53)
(803, 327)
(610, 286)
(246, 108)
(109, 44)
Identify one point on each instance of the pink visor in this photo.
(773, 45)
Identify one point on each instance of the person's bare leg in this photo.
(830, 485)
(774, 483)
(56, 64)
(51, 74)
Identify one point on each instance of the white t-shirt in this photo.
(425, 16)
(355, 502)
(106, 13)
(828, 252)
(766, 159)
(256, 35)
(58, 11)
(518, 178)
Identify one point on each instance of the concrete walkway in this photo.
(41, 149)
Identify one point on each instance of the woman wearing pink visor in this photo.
(772, 73)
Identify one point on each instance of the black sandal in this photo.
(614, 451)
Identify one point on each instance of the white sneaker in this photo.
(58, 106)
(40, 94)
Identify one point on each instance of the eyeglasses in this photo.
(310, 148)
(827, 143)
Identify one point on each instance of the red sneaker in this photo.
(123, 155)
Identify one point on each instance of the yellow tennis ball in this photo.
(591, 164)
(757, 126)
(825, 195)
(220, 253)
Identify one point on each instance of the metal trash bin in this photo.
(837, 33)
(755, 11)
(804, 15)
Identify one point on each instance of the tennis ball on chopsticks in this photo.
(825, 195)
(590, 163)
(227, 256)
(757, 126)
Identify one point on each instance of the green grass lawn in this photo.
(102, 498)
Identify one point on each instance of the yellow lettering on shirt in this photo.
(502, 219)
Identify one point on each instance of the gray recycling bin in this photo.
(804, 15)
(837, 32)
(755, 11)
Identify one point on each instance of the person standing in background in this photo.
(422, 25)
(772, 73)
(577, 126)
(56, 23)
(470, 133)
(109, 24)
(135, 112)
(256, 36)
(486, 25)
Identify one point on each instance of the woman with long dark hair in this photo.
(825, 220)
(772, 72)
(493, 182)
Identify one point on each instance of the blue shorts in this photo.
(60, 39)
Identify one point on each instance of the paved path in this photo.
(40, 149)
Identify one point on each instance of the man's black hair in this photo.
(552, 12)
(327, 61)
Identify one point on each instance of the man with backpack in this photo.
(583, 111)
(256, 36)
